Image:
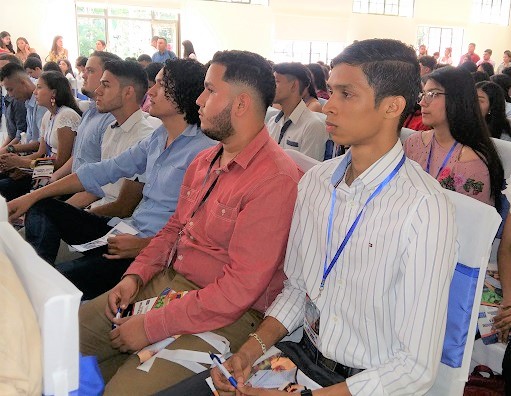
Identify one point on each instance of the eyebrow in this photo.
(340, 86)
(208, 84)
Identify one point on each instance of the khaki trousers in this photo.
(120, 369)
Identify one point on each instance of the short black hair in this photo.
(129, 73)
(391, 69)
(468, 66)
(34, 55)
(507, 71)
(487, 68)
(11, 59)
(51, 66)
(81, 61)
(295, 70)
(318, 76)
(152, 69)
(33, 63)
(488, 51)
(144, 58)
(12, 70)
(480, 76)
(105, 57)
(250, 69)
(428, 61)
(183, 80)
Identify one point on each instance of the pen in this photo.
(218, 363)
(117, 316)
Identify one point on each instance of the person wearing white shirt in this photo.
(378, 310)
(296, 127)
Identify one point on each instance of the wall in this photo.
(213, 25)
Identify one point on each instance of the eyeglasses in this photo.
(429, 96)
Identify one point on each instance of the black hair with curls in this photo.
(466, 123)
(183, 80)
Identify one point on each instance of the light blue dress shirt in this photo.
(35, 115)
(161, 58)
(164, 170)
(89, 136)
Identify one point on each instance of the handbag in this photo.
(482, 385)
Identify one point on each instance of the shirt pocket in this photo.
(291, 143)
(220, 223)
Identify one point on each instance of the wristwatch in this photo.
(306, 392)
(11, 149)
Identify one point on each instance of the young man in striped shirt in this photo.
(371, 248)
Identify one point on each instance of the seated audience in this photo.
(362, 334)
(427, 64)
(504, 81)
(160, 159)
(23, 49)
(58, 127)
(33, 67)
(469, 66)
(80, 64)
(470, 56)
(295, 127)
(246, 185)
(506, 62)
(479, 76)
(101, 45)
(309, 95)
(66, 68)
(57, 51)
(5, 43)
(51, 66)
(493, 107)
(486, 58)
(458, 151)
(447, 58)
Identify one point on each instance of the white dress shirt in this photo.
(385, 301)
(306, 134)
(117, 139)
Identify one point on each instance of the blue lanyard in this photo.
(326, 270)
(446, 159)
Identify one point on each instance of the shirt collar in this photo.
(295, 115)
(248, 153)
(377, 172)
(32, 101)
(127, 125)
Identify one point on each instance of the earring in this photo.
(52, 101)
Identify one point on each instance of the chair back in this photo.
(475, 239)
(504, 150)
(303, 161)
(56, 302)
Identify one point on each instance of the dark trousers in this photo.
(50, 220)
(506, 368)
(11, 189)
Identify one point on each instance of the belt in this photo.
(328, 364)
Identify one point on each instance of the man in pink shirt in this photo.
(225, 244)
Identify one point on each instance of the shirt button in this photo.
(223, 212)
(191, 223)
(340, 281)
(188, 193)
(335, 319)
(180, 257)
(217, 172)
(191, 238)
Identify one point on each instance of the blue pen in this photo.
(218, 363)
(117, 316)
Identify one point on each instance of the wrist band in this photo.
(258, 339)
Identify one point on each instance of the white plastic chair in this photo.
(56, 302)
(3, 209)
(504, 150)
(303, 161)
(477, 224)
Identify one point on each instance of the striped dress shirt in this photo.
(384, 304)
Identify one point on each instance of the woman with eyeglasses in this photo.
(457, 151)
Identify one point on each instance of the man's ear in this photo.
(242, 103)
(394, 106)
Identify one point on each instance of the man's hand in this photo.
(239, 365)
(129, 336)
(19, 206)
(125, 246)
(502, 322)
(10, 161)
(121, 295)
(17, 174)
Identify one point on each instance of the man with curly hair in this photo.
(224, 245)
(160, 160)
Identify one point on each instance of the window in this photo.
(384, 7)
(439, 38)
(253, 2)
(491, 11)
(305, 51)
(127, 30)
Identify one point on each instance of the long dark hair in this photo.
(466, 123)
(54, 48)
(496, 117)
(188, 46)
(69, 67)
(63, 96)
(318, 76)
(8, 46)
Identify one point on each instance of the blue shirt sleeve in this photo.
(127, 164)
